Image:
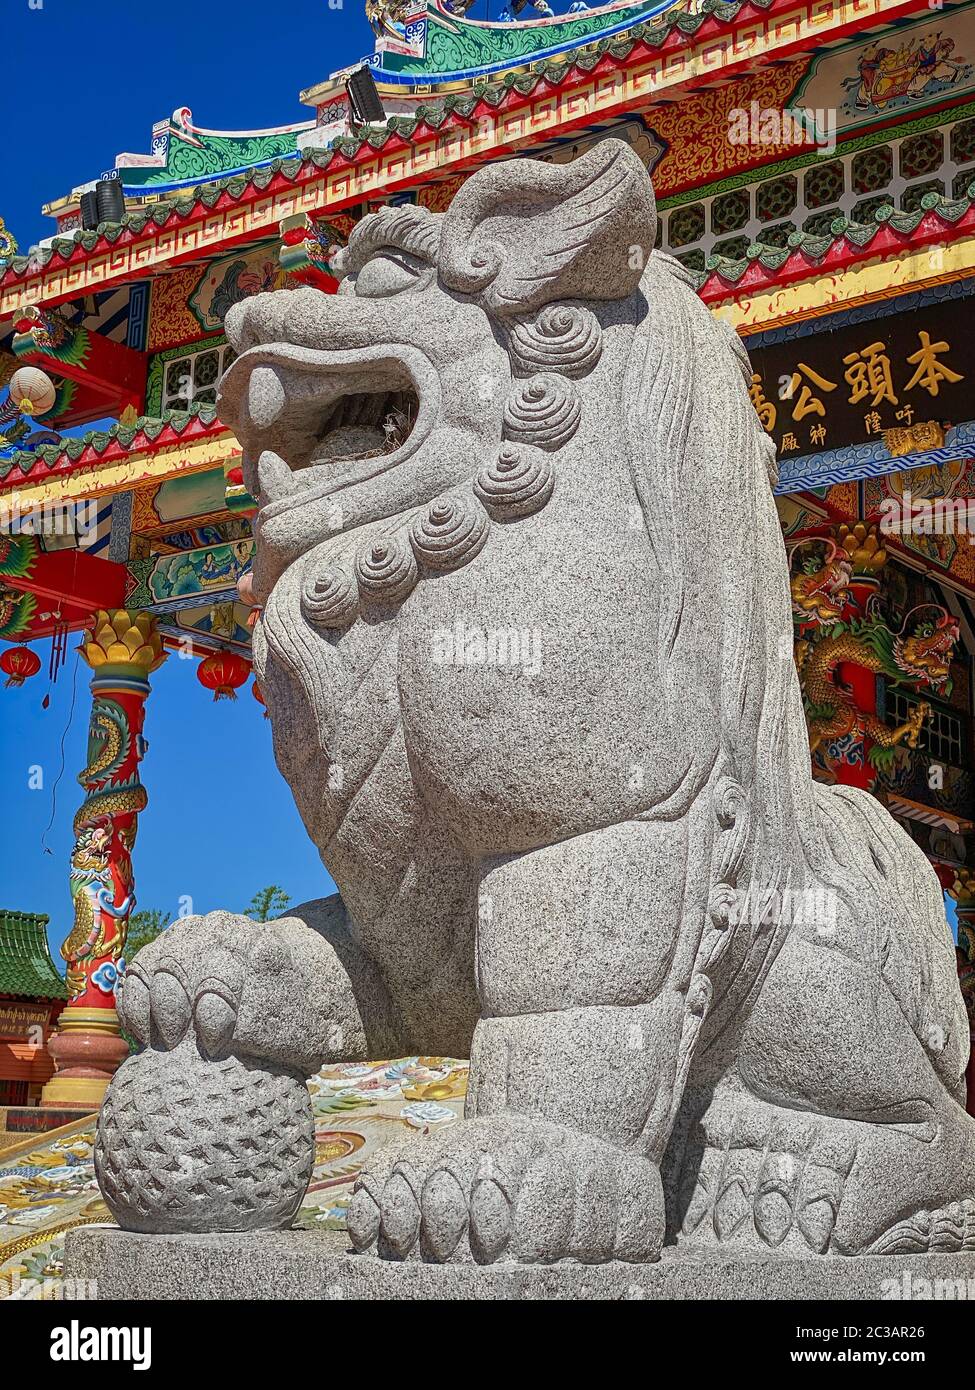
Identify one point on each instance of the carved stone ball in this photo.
(189, 1145)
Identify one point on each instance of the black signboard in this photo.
(856, 383)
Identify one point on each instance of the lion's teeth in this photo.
(274, 477)
(266, 396)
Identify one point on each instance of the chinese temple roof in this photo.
(26, 967)
(117, 440)
(459, 49)
(99, 462)
(674, 29)
(145, 220)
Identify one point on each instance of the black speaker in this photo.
(89, 211)
(367, 109)
(109, 200)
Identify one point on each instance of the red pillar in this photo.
(122, 648)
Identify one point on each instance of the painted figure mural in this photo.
(886, 73)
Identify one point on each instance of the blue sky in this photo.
(96, 75)
(220, 823)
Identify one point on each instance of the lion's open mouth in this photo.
(365, 425)
(311, 425)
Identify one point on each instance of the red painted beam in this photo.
(69, 585)
(104, 368)
(86, 580)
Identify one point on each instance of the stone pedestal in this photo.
(88, 1051)
(316, 1265)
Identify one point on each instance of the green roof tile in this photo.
(151, 426)
(860, 234)
(26, 966)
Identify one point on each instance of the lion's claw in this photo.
(231, 985)
(507, 1189)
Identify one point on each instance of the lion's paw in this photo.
(508, 1189)
(232, 986)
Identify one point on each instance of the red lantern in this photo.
(223, 673)
(258, 694)
(19, 663)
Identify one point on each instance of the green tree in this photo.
(144, 927)
(267, 903)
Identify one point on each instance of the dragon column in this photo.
(122, 648)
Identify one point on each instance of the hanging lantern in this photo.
(32, 391)
(19, 664)
(258, 694)
(223, 673)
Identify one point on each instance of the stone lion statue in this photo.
(526, 645)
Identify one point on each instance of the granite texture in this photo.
(309, 1265)
(525, 640)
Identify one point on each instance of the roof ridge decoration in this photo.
(805, 252)
(8, 245)
(141, 434)
(453, 48)
(183, 153)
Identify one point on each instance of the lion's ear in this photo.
(522, 234)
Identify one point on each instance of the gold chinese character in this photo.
(817, 435)
(789, 441)
(868, 373)
(930, 372)
(907, 414)
(764, 407)
(808, 404)
(872, 423)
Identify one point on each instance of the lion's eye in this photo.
(389, 272)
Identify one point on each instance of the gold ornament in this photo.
(864, 547)
(120, 637)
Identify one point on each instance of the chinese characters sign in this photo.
(846, 387)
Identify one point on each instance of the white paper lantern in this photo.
(32, 391)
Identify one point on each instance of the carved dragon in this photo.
(922, 656)
(819, 587)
